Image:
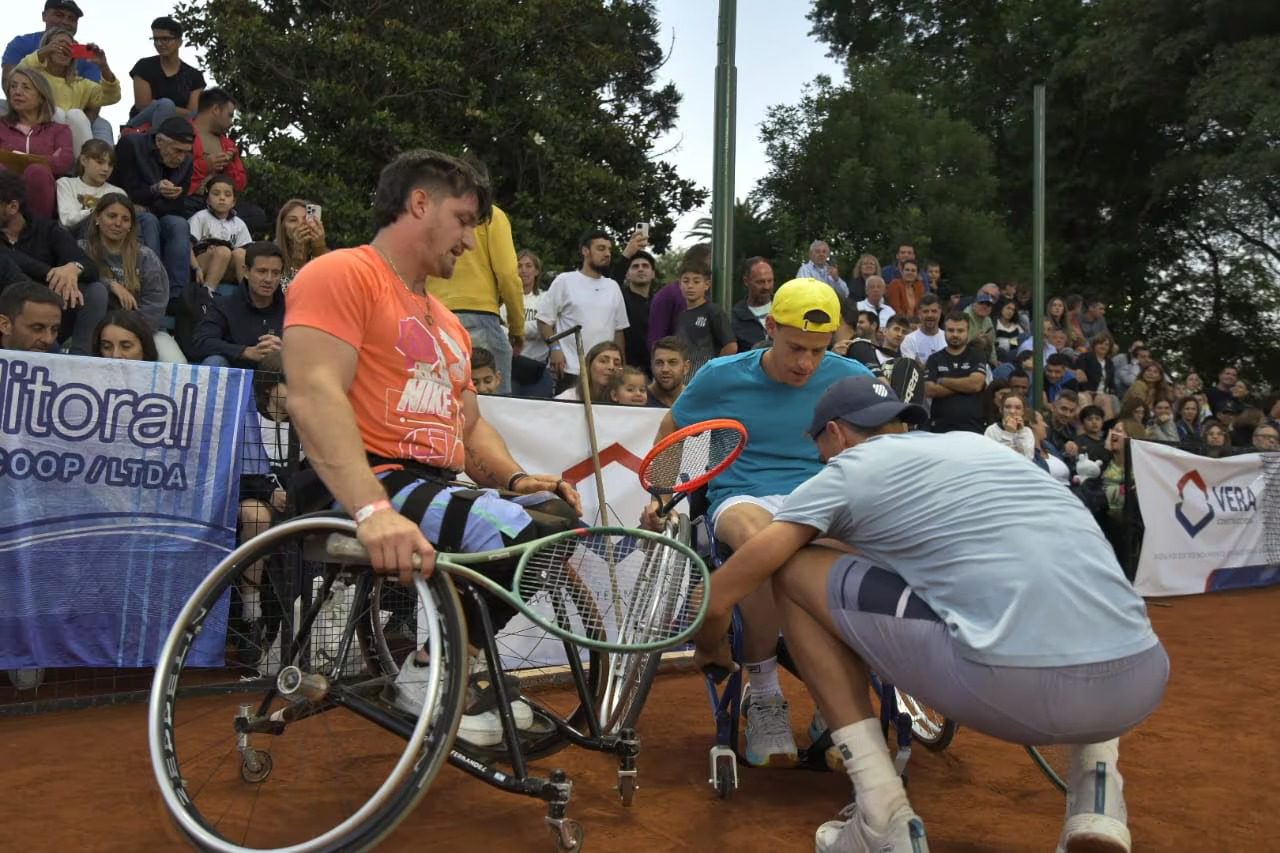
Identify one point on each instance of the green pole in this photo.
(726, 109)
(1037, 250)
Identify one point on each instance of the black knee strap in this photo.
(454, 524)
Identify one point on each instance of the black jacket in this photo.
(10, 272)
(746, 328)
(43, 245)
(138, 170)
(233, 324)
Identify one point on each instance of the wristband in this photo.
(515, 478)
(365, 512)
(554, 347)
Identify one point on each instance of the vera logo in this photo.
(1193, 510)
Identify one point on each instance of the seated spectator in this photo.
(1098, 366)
(1022, 296)
(1045, 454)
(79, 195)
(904, 293)
(819, 266)
(1220, 392)
(603, 361)
(1058, 376)
(982, 329)
(125, 335)
(484, 371)
(1151, 386)
(628, 387)
(1008, 331)
(1240, 393)
(78, 100)
(1271, 408)
(1055, 311)
(163, 85)
(907, 252)
(875, 301)
(1162, 427)
(30, 318)
(861, 347)
(1133, 415)
(529, 374)
(1188, 420)
(670, 367)
(155, 170)
(1093, 321)
(892, 336)
(219, 236)
(10, 272)
(868, 265)
(1020, 384)
(1064, 428)
(46, 252)
(215, 154)
(748, 315)
(242, 329)
(1217, 439)
(703, 325)
(1266, 437)
(264, 498)
(300, 236)
(1092, 437)
(1243, 426)
(1129, 366)
(41, 146)
(1075, 332)
(1011, 430)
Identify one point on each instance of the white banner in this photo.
(550, 437)
(1206, 522)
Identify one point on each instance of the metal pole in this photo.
(584, 390)
(726, 109)
(1037, 251)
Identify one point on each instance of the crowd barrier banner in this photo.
(1211, 524)
(550, 437)
(118, 492)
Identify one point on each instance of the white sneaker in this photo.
(480, 726)
(770, 742)
(905, 834)
(1096, 824)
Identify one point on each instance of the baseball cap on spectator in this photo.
(806, 304)
(985, 297)
(177, 129)
(865, 402)
(64, 6)
(1230, 407)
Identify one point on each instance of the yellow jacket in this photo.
(79, 94)
(486, 275)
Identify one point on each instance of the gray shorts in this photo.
(904, 641)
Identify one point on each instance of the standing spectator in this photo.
(982, 331)
(603, 361)
(703, 326)
(1045, 456)
(242, 329)
(905, 252)
(529, 374)
(155, 170)
(861, 347)
(1022, 295)
(300, 236)
(1093, 321)
(78, 99)
(927, 339)
(1162, 427)
(583, 297)
(46, 252)
(219, 237)
(64, 15)
(875, 301)
(1008, 332)
(819, 266)
(125, 335)
(1188, 420)
(669, 301)
(214, 153)
(30, 317)
(1055, 311)
(1011, 430)
(163, 85)
(892, 336)
(956, 376)
(1075, 334)
(1129, 366)
(1240, 393)
(627, 387)
(932, 277)
(748, 315)
(670, 367)
(868, 265)
(27, 127)
(485, 278)
(1220, 393)
(904, 293)
(79, 195)
(484, 371)
(637, 294)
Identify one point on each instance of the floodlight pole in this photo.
(1037, 250)
(726, 109)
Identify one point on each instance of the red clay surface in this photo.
(1200, 773)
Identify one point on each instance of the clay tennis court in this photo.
(1197, 773)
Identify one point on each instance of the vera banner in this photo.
(119, 483)
(1211, 524)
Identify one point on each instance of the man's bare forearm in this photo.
(489, 462)
(327, 428)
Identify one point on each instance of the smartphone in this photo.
(313, 212)
(81, 51)
(643, 228)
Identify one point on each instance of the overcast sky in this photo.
(775, 58)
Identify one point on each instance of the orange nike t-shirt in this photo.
(414, 354)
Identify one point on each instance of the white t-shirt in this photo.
(76, 199)
(593, 303)
(206, 226)
(884, 312)
(920, 346)
(534, 346)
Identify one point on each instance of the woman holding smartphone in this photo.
(300, 235)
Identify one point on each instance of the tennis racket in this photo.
(691, 457)
(609, 588)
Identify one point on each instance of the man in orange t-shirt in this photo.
(380, 389)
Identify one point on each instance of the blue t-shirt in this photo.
(779, 454)
(1011, 561)
(20, 47)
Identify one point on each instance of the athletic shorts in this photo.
(907, 645)
(771, 503)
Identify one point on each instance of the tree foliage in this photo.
(556, 97)
(1163, 146)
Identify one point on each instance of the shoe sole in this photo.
(1095, 833)
(774, 759)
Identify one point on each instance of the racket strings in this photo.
(614, 588)
(691, 457)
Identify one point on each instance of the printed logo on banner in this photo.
(1193, 505)
(613, 453)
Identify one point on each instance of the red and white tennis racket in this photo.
(691, 457)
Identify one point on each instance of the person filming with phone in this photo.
(300, 235)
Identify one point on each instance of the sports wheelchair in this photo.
(259, 715)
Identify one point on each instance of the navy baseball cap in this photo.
(863, 401)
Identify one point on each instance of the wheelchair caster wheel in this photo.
(724, 771)
(627, 787)
(568, 836)
(256, 768)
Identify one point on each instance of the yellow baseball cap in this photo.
(806, 304)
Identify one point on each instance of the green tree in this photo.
(557, 97)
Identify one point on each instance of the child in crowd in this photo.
(484, 371)
(703, 325)
(1092, 438)
(629, 387)
(77, 196)
(219, 235)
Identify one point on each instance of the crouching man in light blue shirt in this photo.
(961, 596)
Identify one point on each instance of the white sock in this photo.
(763, 677)
(877, 786)
(1082, 788)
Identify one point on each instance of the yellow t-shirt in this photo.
(80, 93)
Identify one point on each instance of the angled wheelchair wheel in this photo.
(930, 728)
(271, 727)
(1054, 763)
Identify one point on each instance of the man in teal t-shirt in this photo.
(772, 392)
